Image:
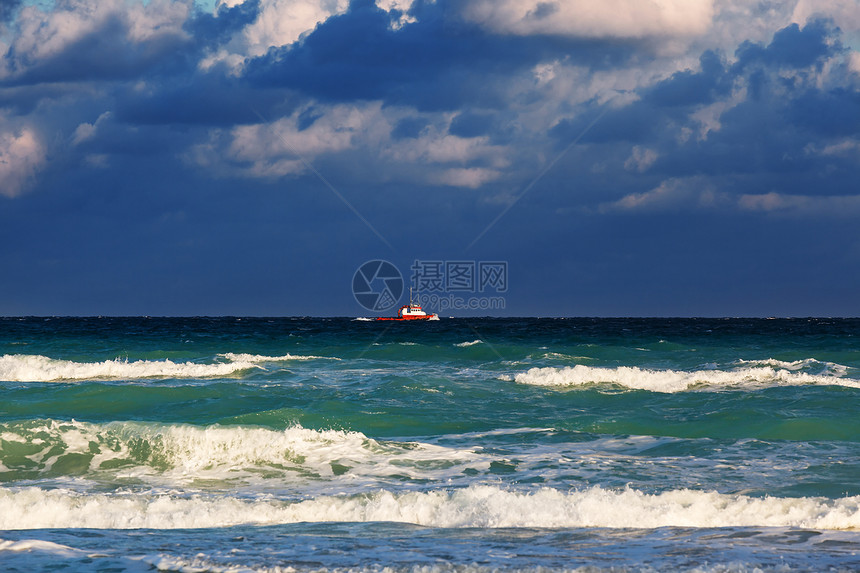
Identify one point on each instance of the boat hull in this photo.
(409, 318)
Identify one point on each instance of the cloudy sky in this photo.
(623, 157)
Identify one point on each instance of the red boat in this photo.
(411, 311)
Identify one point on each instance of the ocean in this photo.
(463, 445)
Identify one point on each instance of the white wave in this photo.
(35, 368)
(673, 380)
(256, 358)
(560, 356)
(795, 365)
(181, 454)
(39, 545)
(466, 344)
(363, 319)
(40, 555)
(475, 506)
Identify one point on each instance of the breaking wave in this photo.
(171, 454)
(256, 358)
(765, 373)
(36, 368)
(475, 506)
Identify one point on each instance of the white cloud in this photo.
(737, 21)
(97, 160)
(448, 159)
(586, 18)
(401, 6)
(43, 35)
(854, 62)
(435, 147)
(641, 158)
(156, 18)
(281, 147)
(672, 194)
(21, 156)
(283, 22)
(363, 132)
(471, 177)
(332, 131)
(233, 62)
(86, 131)
(695, 193)
(552, 92)
(845, 13)
(779, 203)
(845, 148)
(709, 117)
(46, 34)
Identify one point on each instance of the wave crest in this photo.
(475, 506)
(171, 454)
(36, 368)
(669, 381)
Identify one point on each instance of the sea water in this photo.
(464, 445)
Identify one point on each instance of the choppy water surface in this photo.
(257, 444)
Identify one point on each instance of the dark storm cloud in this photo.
(472, 124)
(637, 122)
(759, 143)
(24, 99)
(436, 63)
(211, 30)
(689, 88)
(119, 123)
(791, 47)
(203, 98)
(831, 113)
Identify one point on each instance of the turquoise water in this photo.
(252, 444)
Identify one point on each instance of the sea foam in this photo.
(669, 381)
(476, 506)
(34, 554)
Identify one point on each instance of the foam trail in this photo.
(200, 564)
(669, 381)
(475, 506)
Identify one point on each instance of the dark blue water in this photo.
(258, 444)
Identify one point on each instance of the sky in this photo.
(613, 157)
